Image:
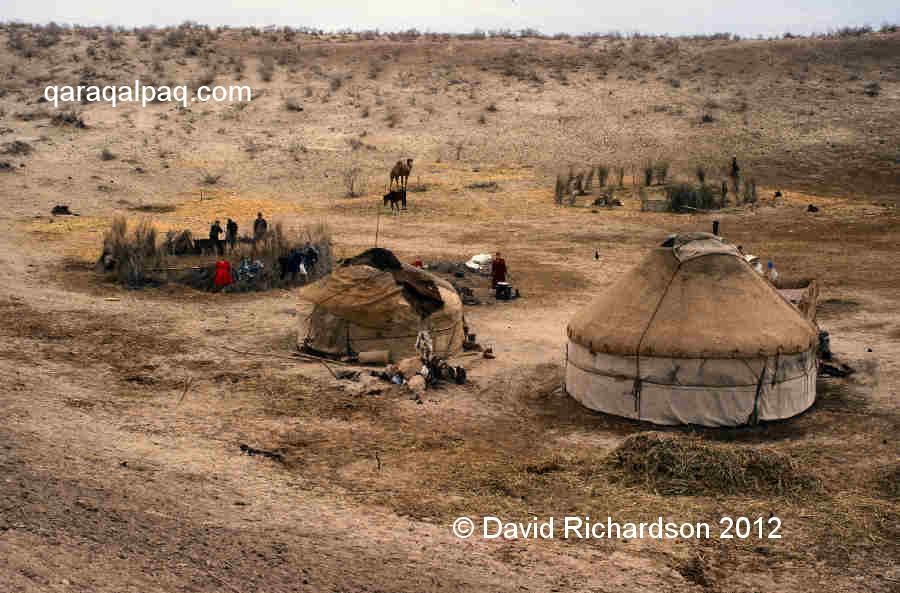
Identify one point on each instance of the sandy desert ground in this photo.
(115, 477)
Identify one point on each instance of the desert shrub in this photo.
(662, 172)
(68, 118)
(685, 196)
(490, 186)
(482, 119)
(205, 78)
(353, 182)
(560, 191)
(106, 155)
(129, 257)
(49, 36)
(873, 89)
(404, 79)
(291, 104)
(750, 191)
(175, 37)
(38, 113)
(20, 45)
(602, 175)
(392, 118)
(648, 173)
(701, 174)
(266, 68)
(211, 179)
(336, 82)
(852, 31)
(17, 147)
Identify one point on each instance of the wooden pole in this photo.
(377, 225)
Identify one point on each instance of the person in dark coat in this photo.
(291, 264)
(214, 231)
(310, 257)
(498, 270)
(231, 233)
(260, 226)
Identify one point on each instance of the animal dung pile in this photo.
(682, 465)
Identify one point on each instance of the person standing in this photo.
(214, 231)
(231, 233)
(310, 257)
(260, 226)
(498, 270)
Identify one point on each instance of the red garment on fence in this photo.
(223, 274)
(418, 263)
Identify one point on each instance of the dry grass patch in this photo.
(681, 465)
(154, 208)
(129, 257)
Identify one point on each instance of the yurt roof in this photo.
(696, 297)
(365, 290)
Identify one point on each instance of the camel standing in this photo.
(400, 172)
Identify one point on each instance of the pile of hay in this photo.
(889, 482)
(681, 465)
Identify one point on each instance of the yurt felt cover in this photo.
(363, 308)
(692, 335)
(710, 305)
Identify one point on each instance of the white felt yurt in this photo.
(693, 335)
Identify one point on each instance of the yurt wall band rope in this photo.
(754, 415)
(682, 386)
(637, 354)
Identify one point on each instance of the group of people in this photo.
(299, 261)
(260, 227)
